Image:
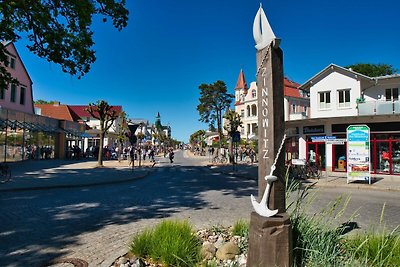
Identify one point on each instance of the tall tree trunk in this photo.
(219, 127)
(101, 145)
(119, 151)
(231, 156)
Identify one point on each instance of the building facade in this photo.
(296, 105)
(340, 97)
(18, 97)
(24, 134)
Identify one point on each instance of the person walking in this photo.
(171, 156)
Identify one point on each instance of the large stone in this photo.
(227, 251)
(208, 250)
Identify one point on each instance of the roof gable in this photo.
(61, 112)
(10, 45)
(328, 70)
(80, 110)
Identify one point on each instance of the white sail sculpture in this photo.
(262, 31)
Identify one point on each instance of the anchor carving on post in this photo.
(262, 207)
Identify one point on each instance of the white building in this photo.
(340, 97)
(296, 104)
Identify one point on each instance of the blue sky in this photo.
(170, 47)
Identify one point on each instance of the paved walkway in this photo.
(41, 174)
(335, 180)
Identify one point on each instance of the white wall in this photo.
(333, 82)
(377, 92)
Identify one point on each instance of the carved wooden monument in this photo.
(270, 240)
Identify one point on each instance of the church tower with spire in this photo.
(241, 88)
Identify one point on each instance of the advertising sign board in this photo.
(358, 153)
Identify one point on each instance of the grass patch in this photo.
(241, 228)
(317, 239)
(375, 249)
(171, 243)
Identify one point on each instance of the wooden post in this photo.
(270, 238)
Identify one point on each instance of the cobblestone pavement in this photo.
(96, 222)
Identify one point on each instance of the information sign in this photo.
(358, 153)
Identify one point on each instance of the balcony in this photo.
(298, 116)
(379, 108)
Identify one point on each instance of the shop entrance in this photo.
(316, 154)
(339, 153)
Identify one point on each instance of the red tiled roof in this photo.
(56, 111)
(291, 88)
(241, 82)
(80, 110)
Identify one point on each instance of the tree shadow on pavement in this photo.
(39, 226)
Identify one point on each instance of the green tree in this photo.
(122, 131)
(197, 138)
(41, 101)
(373, 70)
(214, 100)
(58, 30)
(233, 122)
(106, 114)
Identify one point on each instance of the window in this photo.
(324, 100)
(392, 94)
(253, 110)
(344, 98)
(2, 93)
(242, 113)
(22, 96)
(248, 111)
(253, 128)
(13, 92)
(293, 108)
(12, 63)
(253, 93)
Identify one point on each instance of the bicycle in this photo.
(5, 172)
(219, 159)
(312, 171)
(299, 169)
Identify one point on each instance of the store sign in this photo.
(358, 153)
(313, 129)
(338, 141)
(331, 140)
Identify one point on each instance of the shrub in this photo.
(241, 228)
(171, 243)
(315, 239)
(375, 249)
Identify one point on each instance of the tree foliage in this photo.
(106, 115)
(122, 131)
(373, 70)
(233, 121)
(57, 30)
(214, 100)
(41, 101)
(197, 137)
